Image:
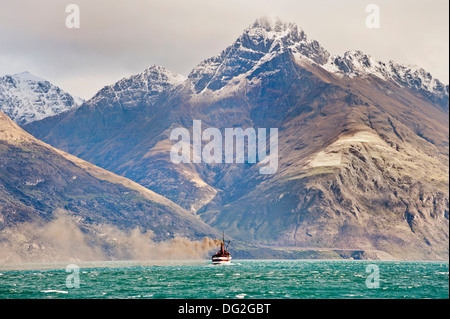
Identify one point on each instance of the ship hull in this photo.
(221, 260)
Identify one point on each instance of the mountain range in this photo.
(363, 144)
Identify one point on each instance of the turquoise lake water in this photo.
(278, 279)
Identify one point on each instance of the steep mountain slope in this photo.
(363, 145)
(26, 98)
(39, 184)
(352, 174)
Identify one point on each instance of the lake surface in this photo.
(243, 279)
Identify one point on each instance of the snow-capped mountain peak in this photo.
(25, 98)
(260, 42)
(159, 74)
(266, 31)
(27, 76)
(145, 86)
(266, 39)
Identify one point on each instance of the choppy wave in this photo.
(246, 279)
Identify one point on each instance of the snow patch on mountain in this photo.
(25, 98)
(356, 63)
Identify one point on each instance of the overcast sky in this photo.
(118, 38)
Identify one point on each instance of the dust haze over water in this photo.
(62, 239)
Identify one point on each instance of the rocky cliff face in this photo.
(363, 145)
(26, 98)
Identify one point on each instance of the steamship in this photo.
(222, 257)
